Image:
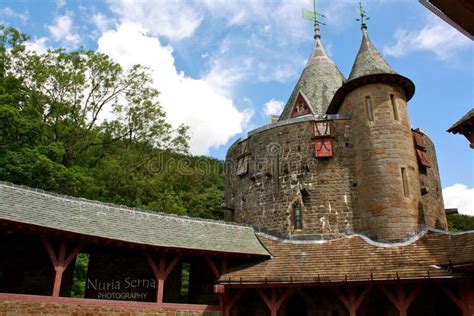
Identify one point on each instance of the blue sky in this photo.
(223, 66)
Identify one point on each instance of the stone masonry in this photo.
(359, 189)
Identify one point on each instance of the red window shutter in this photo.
(323, 147)
(322, 128)
(422, 158)
(418, 140)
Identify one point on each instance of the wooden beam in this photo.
(465, 299)
(283, 298)
(171, 266)
(341, 297)
(60, 262)
(224, 264)
(273, 303)
(402, 302)
(213, 267)
(353, 302)
(362, 296)
(265, 298)
(161, 272)
(413, 293)
(50, 250)
(391, 297)
(73, 254)
(230, 302)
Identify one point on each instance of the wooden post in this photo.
(161, 273)
(402, 302)
(273, 303)
(230, 302)
(60, 262)
(465, 299)
(353, 302)
(218, 274)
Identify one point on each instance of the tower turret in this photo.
(318, 82)
(388, 198)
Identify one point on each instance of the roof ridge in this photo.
(117, 207)
(405, 242)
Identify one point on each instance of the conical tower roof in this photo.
(318, 82)
(369, 67)
(368, 60)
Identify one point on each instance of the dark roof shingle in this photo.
(356, 258)
(91, 218)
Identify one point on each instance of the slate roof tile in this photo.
(356, 258)
(36, 207)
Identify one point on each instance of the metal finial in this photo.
(363, 16)
(313, 16)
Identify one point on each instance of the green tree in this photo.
(76, 122)
(460, 222)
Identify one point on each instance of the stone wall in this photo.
(383, 146)
(360, 188)
(282, 164)
(12, 307)
(432, 197)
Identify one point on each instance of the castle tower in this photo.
(342, 158)
(388, 197)
(317, 84)
(275, 182)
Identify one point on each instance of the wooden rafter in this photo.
(161, 272)
(60, 262)
(352, 302)
(402, 301)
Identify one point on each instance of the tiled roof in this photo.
(356, 258)
(91, 218)
(319, 81)
(368, 60)
(469, 115)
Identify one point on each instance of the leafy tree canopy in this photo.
(460, 222)
(78, 123)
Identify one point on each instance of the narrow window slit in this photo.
(405, 182)
(368, 104)
(394, 107)
(298, 221)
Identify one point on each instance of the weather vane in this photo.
(313, 16)
(363, 16)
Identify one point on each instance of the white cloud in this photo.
(273, 107)
(225, 74)
(38, 45)
(8, 12)
(172, 19)
(60, 3)
(212, 117)
(102, 22)
(62, 30)
(435, 36)
(461, 197)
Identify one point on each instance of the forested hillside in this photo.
(460, 222)
(75, 122)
